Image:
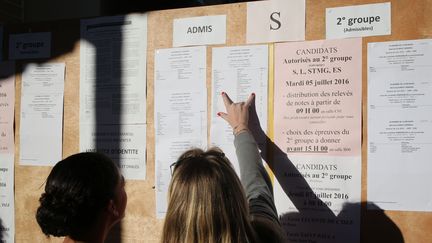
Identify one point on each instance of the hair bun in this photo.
(54, 215)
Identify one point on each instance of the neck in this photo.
(97, 234)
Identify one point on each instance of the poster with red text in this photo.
(317, 128)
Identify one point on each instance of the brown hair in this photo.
(207, 202)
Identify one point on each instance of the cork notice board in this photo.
(410, 20)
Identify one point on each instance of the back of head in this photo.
(206, 201)
(76, 191)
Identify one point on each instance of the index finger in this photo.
(226, 99)
(250, 99)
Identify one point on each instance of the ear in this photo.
(112, 208)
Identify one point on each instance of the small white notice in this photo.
(30, 46)
(7, 199)
(7, 107)
(124, 143)
(400, 125)
(196, 31)
(358, 21)
(180, 111)
(275, 21)
(238, 71)
(41, 125)
(113, 52)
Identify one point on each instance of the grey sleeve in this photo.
(254, 177)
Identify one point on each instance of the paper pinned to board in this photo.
(30, 46)
(275, 21)
(317, 128)
(41, 122)
(113, 85)
(7, 198)
(203, 30)
(238, 71)
(400, 125)
(180, 111)
(358, 21)
(7, 107)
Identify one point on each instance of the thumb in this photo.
(223, 115)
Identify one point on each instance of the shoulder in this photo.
(268, 230)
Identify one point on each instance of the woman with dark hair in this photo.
(208, 203)
(84, 197)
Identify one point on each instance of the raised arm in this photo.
(253, 175)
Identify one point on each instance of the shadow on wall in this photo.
(108, 74)
(107, 41)
(316, 222)
(377, 227)
(108, 67)
(113, 7)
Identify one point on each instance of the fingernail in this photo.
(253, 94)
(218, 113)
(223, 93)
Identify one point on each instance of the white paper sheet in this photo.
(325, 206)
(203, 30)
(400, 125)
(180, 111)
(7, 105)
(113, 65)
(238, 71)
(275, 21)
(317, 126)
(358, 21)
(7, 150)
(124, 144)
(41, 124)
(113, 89)
(30, 45)
(7, 205)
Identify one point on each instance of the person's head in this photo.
(82, 192)
(207, 202)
